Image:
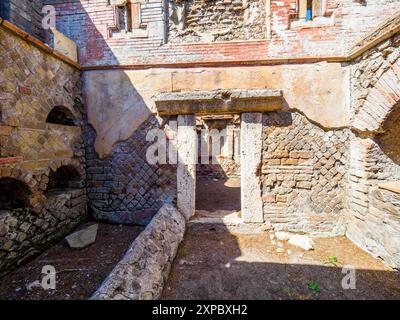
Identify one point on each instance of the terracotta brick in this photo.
(5, 130)
(25, 90)
(301, 154)
(10, 160)
(290, 162)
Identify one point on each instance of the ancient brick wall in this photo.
(26, 14)
(385, 206)
(32, 83)
(92, 24)
(303, 174)
(374, 150)
(121, 186)
(221, 20)
(367, 71)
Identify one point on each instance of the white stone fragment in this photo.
(283, 236)
(83, 238)
(303, 242)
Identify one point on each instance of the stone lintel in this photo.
(219, 101)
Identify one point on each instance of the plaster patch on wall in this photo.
(118, 102)
(115, 108)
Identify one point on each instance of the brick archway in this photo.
(381, 100)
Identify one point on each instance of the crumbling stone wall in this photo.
(124, 184)
(88, 24)
(32, 83)
(216, 20)
(26, 14)
(25, 232)
(303, 174)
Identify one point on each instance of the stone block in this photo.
(83, 238)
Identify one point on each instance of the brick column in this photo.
(250, 163)
(187, 158)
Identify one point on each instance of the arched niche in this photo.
(62, 116)
(14, 194)
(63, 179)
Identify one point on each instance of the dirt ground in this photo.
(221, 194)
(79, 272)
(214, 263)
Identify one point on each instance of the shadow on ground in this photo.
(78, 272)
(215, 264)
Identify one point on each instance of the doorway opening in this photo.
(218, 167)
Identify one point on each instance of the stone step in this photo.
(225, 221)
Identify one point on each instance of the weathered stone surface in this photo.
(117, 123)
(55, 217)
(141, 274)
(187, 159)
(83, 238)
(126, 97)
(283, 236)
(196, 20)
(303, 242)
(368, 232)
(251, 150)
(219, 101)
(372, 222)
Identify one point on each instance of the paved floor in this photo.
(215, 262)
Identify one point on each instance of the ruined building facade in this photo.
(316, 85)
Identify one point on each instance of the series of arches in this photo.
(15, 193)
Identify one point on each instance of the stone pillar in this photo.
(250, 163)
(236, 145)
(227, 149)
(187, 159)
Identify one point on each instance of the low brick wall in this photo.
(141, 274)
(25, 233)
